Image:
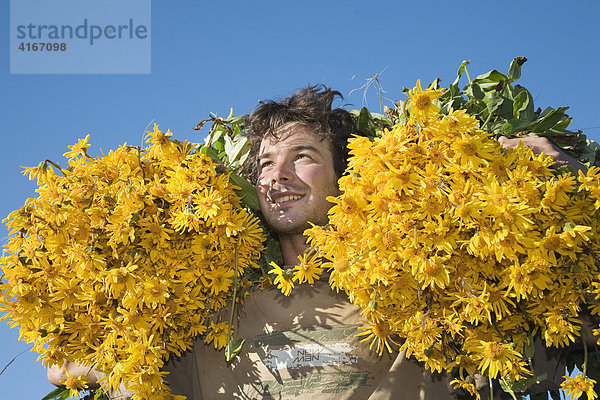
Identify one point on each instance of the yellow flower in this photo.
(186, 220)
(209, 204)
(283, 279)
(575, 387)
(79, 148)
(496, 357)
(219, 279)
(433, 271)
(75, 384)
(308, 270)
(453, 124)
(557, 243)
(421, 101)
(380, 334)
(217, 334)
(473, 151)
(475, 309)
(39, 172)
(466, 385)
(561, 327)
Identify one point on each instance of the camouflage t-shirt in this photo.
(302, 347)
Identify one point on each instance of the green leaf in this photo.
(518, 125)
(523, 106)
(522, 385)
(506, 386)
(456, 103)
(99, 395)
(590, 152)
(474, 90)
(495, 128)
(453, 90)
(381, 120)
(366, 123)
(236, 149)
(507, 129)
(563, 124)
(239, 120)
(216, 132)
(461, 69)
(499, 105)
(529, 348)
(564, 169)
(219, 145)
(57, 394)
(271, 253)
(489, 81)
(247, 191)
(211, 152)
(233, 348)
(514, 71)
(548, 120)
(508, 91)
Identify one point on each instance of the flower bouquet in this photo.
(124, 259)
(461, 251)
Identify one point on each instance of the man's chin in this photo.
(287, 226)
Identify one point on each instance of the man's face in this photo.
(296, 175)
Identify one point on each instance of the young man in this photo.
(304, 346)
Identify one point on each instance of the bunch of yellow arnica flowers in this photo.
(460, 247)
(122, 260)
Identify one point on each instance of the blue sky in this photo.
(209, 57)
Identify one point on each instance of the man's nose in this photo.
(282, 172)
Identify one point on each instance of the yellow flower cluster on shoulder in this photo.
(460, 247)
(122, 260)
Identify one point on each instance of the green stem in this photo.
(491, 388)
(585, 354)
(56, 165)
(467, 72)
(487, 120)
(235, 286)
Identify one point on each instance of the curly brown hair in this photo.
(310, 107)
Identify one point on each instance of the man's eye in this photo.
(265, 164)
(301, 155)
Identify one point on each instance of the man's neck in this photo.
(291, 247)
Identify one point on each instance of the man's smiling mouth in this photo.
(280, 200)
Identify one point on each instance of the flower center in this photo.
(493, 351)
(388, 240)
(508, 218)
(422, 101)
(381, 330)
(552, 243)
(468, 149)
(432, 268)
(349, 205)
